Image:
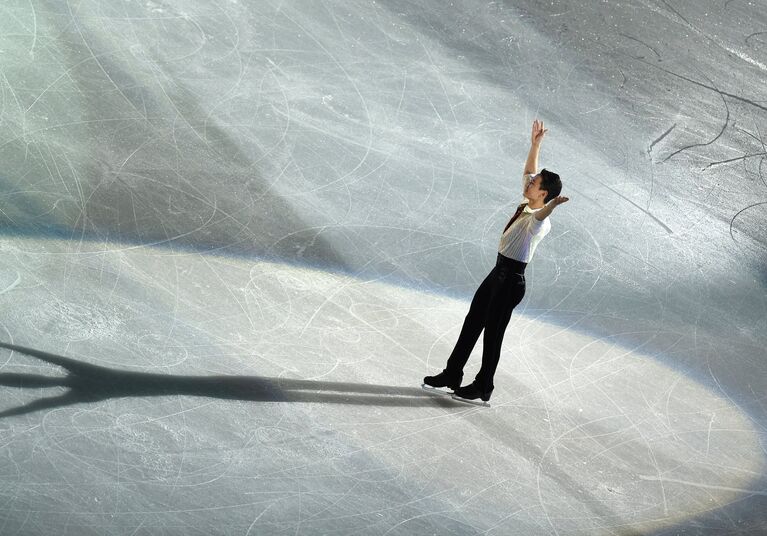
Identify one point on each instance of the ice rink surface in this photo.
(236, 235)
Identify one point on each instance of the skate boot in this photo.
(444, 382)
(473, 395)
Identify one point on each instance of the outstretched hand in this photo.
(559, 200)
(536, 137)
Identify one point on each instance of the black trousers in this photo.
(491, 308)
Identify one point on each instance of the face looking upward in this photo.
(533, 191)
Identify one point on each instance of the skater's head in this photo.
(546, 186)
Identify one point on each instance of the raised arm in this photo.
(536, 138)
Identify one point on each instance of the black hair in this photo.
(550, 182)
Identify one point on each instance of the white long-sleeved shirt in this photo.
(521, 239)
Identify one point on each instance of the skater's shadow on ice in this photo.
(93, 383)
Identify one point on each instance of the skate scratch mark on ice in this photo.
(722, 390)
(398, 506)
(700, 84)
(729, 160)
(647, 443)
(600, 267)
(708, 437)
(351, 283)
(12, 285)
(543, 457)
(175, 414)
(747, 492)
(649, 149)
(583, 371)
(259, 517)
(757, 137)
(668, 403)
(507, 516)
(675, 12)
(451, 179)
(214, 210)
(724, 127)
(226, 97)
(156, 71)
(401, 97)
(234, 506)
(761, 161)
(138, 528)
(753, 35)
(202, 38)
(65, 73)
(184, 450)
(427, 514)
(594, 109)
(732, 221)
(369, 144)
(330, 506)
(375, 446)
(666, 227)
(625, 79)
(81, 194)
(483, 490)
(23, 118)
(228, 288)
(34, 29)
(640, 42)
(637, 257)
(95, 58)
(58, 125)
(555, 306)
(742, 55)
(572, 374)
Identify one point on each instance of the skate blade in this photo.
(480, 403)
(436, 390)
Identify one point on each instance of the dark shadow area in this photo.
(148, 99)
(92, 383)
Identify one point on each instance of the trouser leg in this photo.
(510, 293)
(472, 325)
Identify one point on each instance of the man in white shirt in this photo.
(504, 286)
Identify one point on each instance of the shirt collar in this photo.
(530, 210)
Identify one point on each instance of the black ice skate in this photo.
(473, 395)
(443, 383)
